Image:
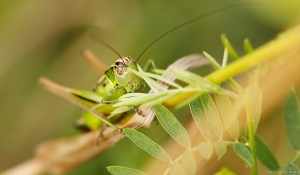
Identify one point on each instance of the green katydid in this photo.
(115, 82)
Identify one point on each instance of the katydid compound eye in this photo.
(119, 64)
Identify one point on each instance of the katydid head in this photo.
(123, 77)
(121, 63)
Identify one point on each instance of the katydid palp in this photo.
(116, 81)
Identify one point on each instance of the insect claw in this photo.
(140, 113)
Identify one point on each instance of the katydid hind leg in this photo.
(93, 111)
(110, 99)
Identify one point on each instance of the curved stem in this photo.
(284, 43)
(251, 137)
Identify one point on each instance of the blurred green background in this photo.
(44, 38)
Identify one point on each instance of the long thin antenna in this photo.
(96, 38)
(197, 18)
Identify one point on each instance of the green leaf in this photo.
(224, 106)
(230, 121)
(233, 129)
(292, 118)
(220, 148)
(160, 78)
(225, 58)
(231, 82)
(205, 149)
(172, 125)
(176, 169)
(291, 169)
(255, 106)
(213, 61)
(265, 155)
(212, 114)
(232, 125)
(232, 53)
(198, 113)
(225, 171)
(242, 151)
(188, 162)
(247, 46)
(119, 170)
(147, 144)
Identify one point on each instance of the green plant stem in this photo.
(285, 42)
(251, 137)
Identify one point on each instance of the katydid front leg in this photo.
(116, 74)
(108, 100)
(150, 64)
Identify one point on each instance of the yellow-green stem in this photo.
(251, 137)
(284, 43)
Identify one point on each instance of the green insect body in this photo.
(118, 77)
(115, 82)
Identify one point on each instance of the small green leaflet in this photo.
(205, 149)
(265, 155)
(255, 106)
(230, 121)
(176, 169)
(291, 169)
(200, 118)
(247, 46)
(188, 162)
(172, 125)
(241, 150)
(147, 144)
(119, 170)
(292, 118)
(232, 53)
(220, 148)
(204, 109)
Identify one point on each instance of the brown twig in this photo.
(61, 155)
